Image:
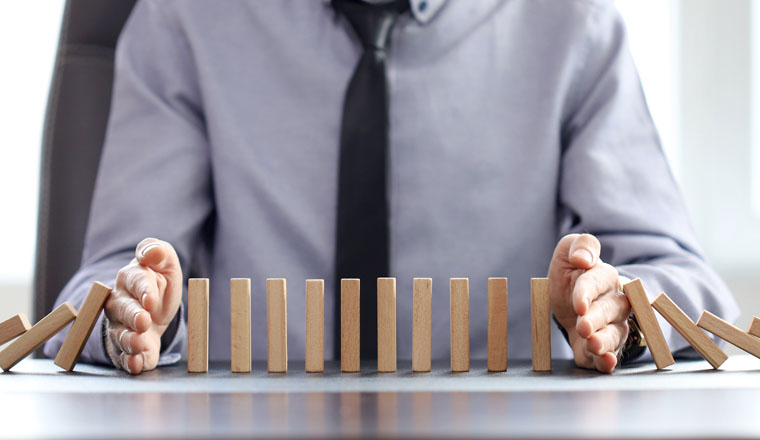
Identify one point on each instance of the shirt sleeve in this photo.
(154, 175)
(615, 182)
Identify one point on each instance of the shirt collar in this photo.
(422, 10)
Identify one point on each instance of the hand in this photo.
(586, 300)
(143, 303)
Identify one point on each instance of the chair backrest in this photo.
(75, 124)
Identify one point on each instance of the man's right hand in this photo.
(143, 303)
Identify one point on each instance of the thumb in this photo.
(584, 251)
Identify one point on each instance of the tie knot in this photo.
(372, 22)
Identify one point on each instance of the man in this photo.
(259, 140)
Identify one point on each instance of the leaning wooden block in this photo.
(386, 325)
(315, 326)
(197, 325)
(459, 297)
(541, 324)
(12, 327)
(754, 328)
(422, 323)
(729, 333)
(497, 324)
(642, 309)
(686, 327)
(80, 331)
(349, 325)
(37, 335)
(277, 326)
(240, 325)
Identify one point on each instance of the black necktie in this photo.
(362, 248)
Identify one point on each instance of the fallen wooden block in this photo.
(541, 324)
(240, 325)
(459, 300)
(729, 333)
(277, 325)
(386, 325)
(642, 309)
(12, 327)
(197, 325)
(315, 326)
(37, 335)
(80, 331)
(349, 325)
(422, 323)
(686, 327)
(497, 324)
(754, 328)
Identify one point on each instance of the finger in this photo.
(606, 363)
(584, 251)
(132, 363)
(158, 255)
(126, 340)
(608, 340)
(140, 282)
(591, 284)
(121, 307)
(608, 308)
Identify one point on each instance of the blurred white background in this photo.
(699, 62)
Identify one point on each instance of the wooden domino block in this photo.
(197, 325)
(277, 325)
(37, 335)
(497, 324)
(386, 325)
(12, 327)
(349, 325)
(540, 317)
(315, 326)
(422, 323)
(459, 297)
(82, 327)
(729, 333)
(686, 327)
(642, 309)
(754, 328)
(240, 325)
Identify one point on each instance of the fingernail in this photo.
(134, 321)
(147, 248)
(584, 255)
(142, 300)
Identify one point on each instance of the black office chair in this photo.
(77, 112)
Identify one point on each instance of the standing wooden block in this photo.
(315, 326)
(686, 327)
(37, 335)
(729, 333)
(197, 325)
(349, 325)
(754, 328)
(541, 324)
(386, 325)
(240, 325)
(497, 324)
(12, 327)
(277, 325)
(661, 354)
(422, 323)
(459, 300)
(80, 331)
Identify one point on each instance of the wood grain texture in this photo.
(497, 324)
(48, 326)
(422, 323)
(686, 328)
(315, 326)
(459, 301)
(197, 325)
(754, 327)
(240, 325)
(540, 318)
(277, 325)
(729, 333)
(80, 331)
(13, 327)
(642, 309)
(386, 325)
(349, 325)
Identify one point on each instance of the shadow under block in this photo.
(422, 323)
(729, 333)
(12, 327)
(497, 324)
(642, 309)
(349, 325)
(277, 325)
(315, 326)
(686, 328)
(37, 335)
(459, 297)
(80, 331)
(540, 318)
(197, 325)
(386, 325)
(240, 325)
(754, 328)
